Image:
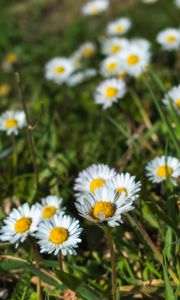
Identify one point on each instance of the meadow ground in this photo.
(68, 132)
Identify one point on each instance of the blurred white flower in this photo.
(81, 76)
(111, 66)
(12, 121)
(177, 2)
(50, 206)
(95, 7)
(109, 92)
(160, 168)
(172, 97)
(169, 39)
(119, 26)
(114, 46)
(59, 69)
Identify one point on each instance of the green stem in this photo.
(113, 260)
(60, 260)
(29, 130)
(36, 258)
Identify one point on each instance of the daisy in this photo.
(50, 206)
(114, 46)
(60, 234)
(111, 66)
(119, 26)
(21, 223)
(81, 76)
(59, 69)
(92, 178)
(11, 58)
(105, 205)
(169, 39)
(12, 121)
(127, 184)
(149, 1)
(173, 96)
(5, 89)
(160, 168)
(135, 60)
(109, 91)
(95, 7)
(87, 50)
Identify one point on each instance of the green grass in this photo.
(72, 133)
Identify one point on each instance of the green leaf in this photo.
(169, 294)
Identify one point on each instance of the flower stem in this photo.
(113, 260)
(29, 129)
(60, 260)
(36, 258)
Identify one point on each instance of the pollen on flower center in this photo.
(164, 171)
(119, 28)
(59, 70)
(23, 224)
(58, 235)
(103, 210)
(94, 9)
(96, 184)
(115, 48)
(171, 39)
(88, 52)
(178, 103)
(121, 190)
(11, 123)
(111, 67)
(48, 212)
(133, 59)
(111, 92)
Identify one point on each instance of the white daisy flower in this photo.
(114, 46)
(149, 1)
(81, 76)
(92, 178)
(50, 206)
(95, 7)
(119, 26)
(169, 39)
(21, 223)
(109, 91)
(105, 205)
(173, 96)
(59, 69)
(127, 184)
(87, 50)
(12, 121)
(135, 60)
(60, 234)
(177, 3)
(160, 168)
(111, 66)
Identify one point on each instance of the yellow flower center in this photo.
(11, 58)
(58, 235)
(111, 92)
(94, 10)
(59, 70)
(22, 225)
(111, 67)
(88, 52)
(11, 123)
(103, 210)
(178, 103)
(48, 212)
(4, 89)
(121, 190)
(115, 48)
(164, 171)
(171, 39)
(119, 28)
(96, 184)
(133, 59)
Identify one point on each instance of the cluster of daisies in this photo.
(123, 57)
